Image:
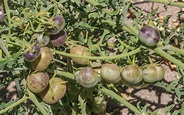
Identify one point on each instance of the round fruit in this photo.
(87, 77)
(81, 51)
(132, 74)
(43, 40)
(153, 73)
(58, 39)
(43, 61)
(32, 55)
(54, 92)
(37, 82)
(149, 35)
(110, 73)
(59, 25)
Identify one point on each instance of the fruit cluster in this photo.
(39, 57)
(112, 73)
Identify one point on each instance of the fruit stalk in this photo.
(120, 99)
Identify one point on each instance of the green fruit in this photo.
(153, 73)
(110, 73)
(54, 92)
(132, 74)
(37, 82)
(43, 61)
(87, 77)
(81, 51)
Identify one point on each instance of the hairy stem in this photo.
(120, 99)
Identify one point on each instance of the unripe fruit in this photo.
(87, 77)
(32, 55)
(54, 92)
(81, 51)
(110, 73)
(132, 74)
(43, 61)
(153, 73)
(37, 82)
(149, 35)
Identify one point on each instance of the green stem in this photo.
(131, 28)
(9, 19)
(169, 57)
(66, 74)
(122, 55)
(14, 104)
(169, 2)
(18, 87)
(59, 61)
(33, 98)
(3, 47)
(172, 48)
(120, 99)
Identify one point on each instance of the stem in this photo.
(66, 74)
(121, 100)
(172, 48)
(122, 55)
(3, 47)
(9, 19)
(131, 28)
(169, 57)
(168, 2)
(14, 104)
(18, 87)
(35, 101)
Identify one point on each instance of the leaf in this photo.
(82, 105)
(182, 109)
